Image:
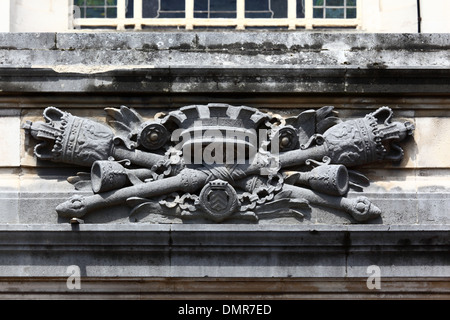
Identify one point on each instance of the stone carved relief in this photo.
(219, 162)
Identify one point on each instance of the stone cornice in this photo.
(180, 62)
(171, 80)
(224, 250)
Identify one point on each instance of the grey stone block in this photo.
(434, 208)
(27, 41)
(9, 207)
(149, 41)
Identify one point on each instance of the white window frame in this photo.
(240, 22)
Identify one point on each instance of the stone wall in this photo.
(281, 72)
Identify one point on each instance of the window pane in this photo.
(129, 12)
(201, 9)
(111, 13)
(351, 13)
(201, 5)
(279, 8)
(95, 13)
(334, 9)
(168, 8)
(300, 9)
(335, 2)
(97, 8)
(171, 14)
(222, 6)
(219, 14)
(257, 5)
(172, 5)
(334, 13)
(95, 2)
(150, 8)
(266, 8)
(214, 8)
(318, 13)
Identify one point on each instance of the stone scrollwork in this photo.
(219, 162)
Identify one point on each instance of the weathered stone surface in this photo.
(226, 62)
(10, 137)
(27, 41)
(222, 251)
(288, 49)
(433, 140)
(9, 196)
(282, 72)
(268, 78)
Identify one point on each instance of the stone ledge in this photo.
(224, 250)
(251, 41)
(137, 227)
(228, 79)
(177, 62)
(27, 41)
(224, 288)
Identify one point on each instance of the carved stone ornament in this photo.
(219, 162)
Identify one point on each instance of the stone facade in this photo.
(280, 72)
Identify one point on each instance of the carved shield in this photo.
(218, 200)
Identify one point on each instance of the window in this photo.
(161, 9)
(341, 9)
(211, 9)
(240, 14)
(97, 8)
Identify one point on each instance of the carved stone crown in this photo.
(70, 139)
(217, 123)
(369, 139)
